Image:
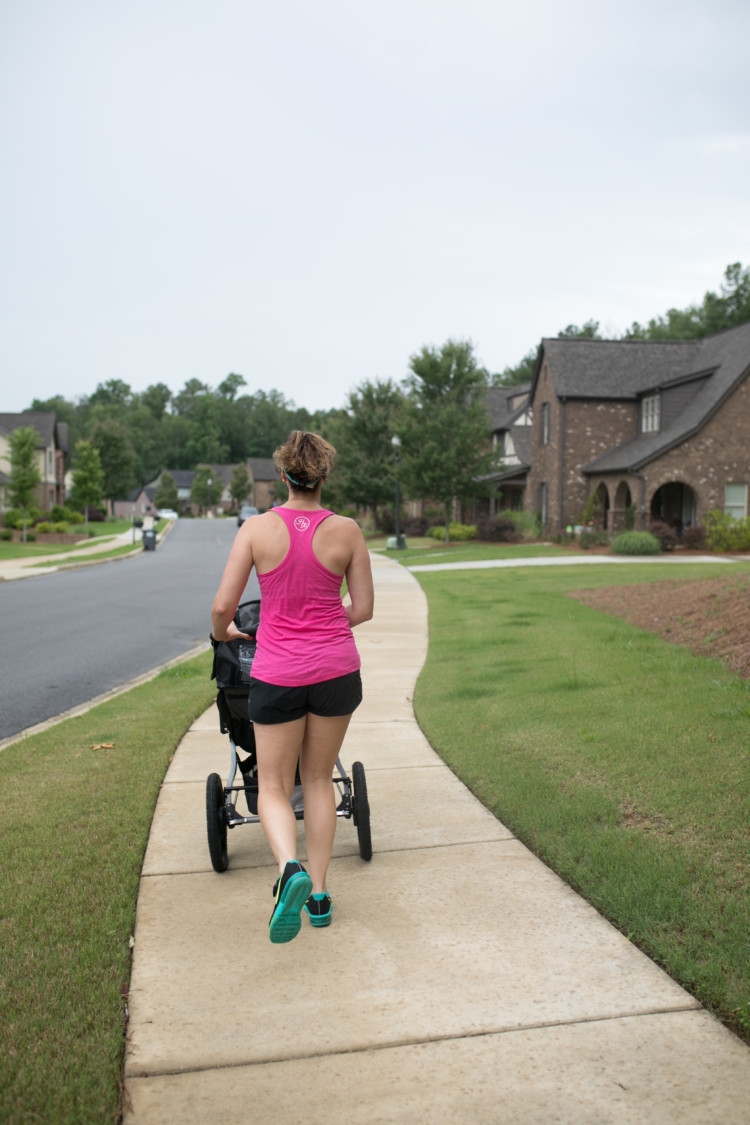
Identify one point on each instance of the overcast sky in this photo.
(306, 193)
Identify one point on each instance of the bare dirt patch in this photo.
(711, 617)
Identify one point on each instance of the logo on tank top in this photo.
(302, 523)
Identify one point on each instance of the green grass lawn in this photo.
(619, 759)
(416, 551)
(74, 830)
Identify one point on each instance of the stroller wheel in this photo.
(361, 810)
(216, 823)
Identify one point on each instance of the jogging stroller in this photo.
(231, 670)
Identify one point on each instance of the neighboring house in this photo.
(658, 427)
(510, 419)
(263, 476)
(52, 455)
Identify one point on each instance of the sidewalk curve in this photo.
(461, 980)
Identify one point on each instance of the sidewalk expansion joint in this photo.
(396, 1044)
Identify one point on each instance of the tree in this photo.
(207, 487)
(445, 445)
(88, 479)
(361, 434)
(523, 372)
(117, 458)
(588, 331)
(24, 469)
(240, 484)
(166, 492)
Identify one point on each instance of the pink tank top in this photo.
(304, 635)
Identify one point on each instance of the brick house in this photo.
(660, 427)
(263, 478)
(52, 454)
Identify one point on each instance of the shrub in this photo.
(694, 538)
(666, 535)
(73, 517)
(43, 527)
(498, 529)
(590, 537)
(458, 532)
(416, 527)
(636, 543)
(6, 534)
(11, 517)
(724, 533)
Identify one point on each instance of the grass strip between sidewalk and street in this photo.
(621, 760)
(78, 803)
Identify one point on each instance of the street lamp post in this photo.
(400, 541)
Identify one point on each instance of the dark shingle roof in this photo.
(42, 421)
(499, 402)
(727, 356)
(263, 468)
(616, 369)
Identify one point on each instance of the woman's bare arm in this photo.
(233, 582)
(359, 582)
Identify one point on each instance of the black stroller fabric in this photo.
(232, 664)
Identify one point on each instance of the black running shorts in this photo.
(270, 703)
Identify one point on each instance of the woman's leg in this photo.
(278, 748)
(320, 748)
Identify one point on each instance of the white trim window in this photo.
(735, 500)
(651, 414)
(543, 502)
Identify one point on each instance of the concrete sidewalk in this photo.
(84, 555)
(461, 981)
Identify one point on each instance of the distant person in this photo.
(305, 681)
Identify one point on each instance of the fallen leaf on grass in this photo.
(102, 746)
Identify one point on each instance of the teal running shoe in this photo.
(319, 909)
(291, 890)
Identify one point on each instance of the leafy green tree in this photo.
(207, 487)
(365, 467)
(240, 484)
(88, 479)
(523, 372)
(717, 311)
(156, 399)
(588, 331)
(117, 458)
(24, 469)
(446, 425)
(166, 492)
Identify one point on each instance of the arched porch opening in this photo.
(622, 516)
(675, 503)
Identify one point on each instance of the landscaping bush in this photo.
(43, 527)
(458, 532)
(636, 543)
(416, 527)
(498, 529)
(11, 517)
(6, 534)
(666, 535)
(694, 538)
(96, 516)
(590, 537)
(724, 533)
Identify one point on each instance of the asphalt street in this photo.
(70, 636)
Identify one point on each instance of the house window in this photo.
(545, 423)
(735, 500)
(651, 414)
(543, 502)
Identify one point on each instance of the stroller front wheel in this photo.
(216, 823)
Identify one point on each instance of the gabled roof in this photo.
(503, 405)
(42, 421)
(614, 369)
(263, 468)
(726, 356)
